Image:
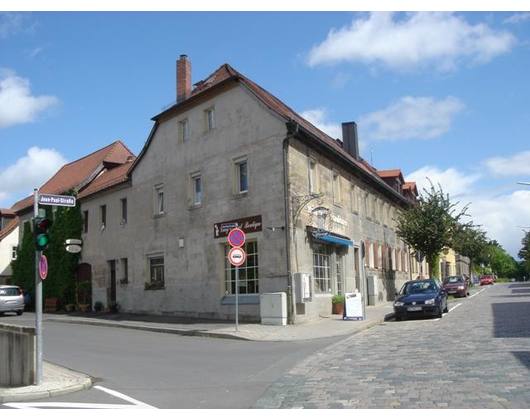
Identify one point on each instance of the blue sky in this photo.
(438, 95)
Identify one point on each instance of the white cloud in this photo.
(318, 117)
(452, 181)
(423, 39)
(17, 105)
(499, 214)
(10, 23)
(518, 18)
(411, 118)
(516, 165)
(29, 172)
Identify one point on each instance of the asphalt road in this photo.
(476, 356)
(165, 370)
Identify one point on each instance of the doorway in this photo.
(112, 270)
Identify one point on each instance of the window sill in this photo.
(154, 286)
(195, 206)
(239, 196)
(159, 215)
(242, 300)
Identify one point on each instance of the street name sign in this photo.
(56, 200)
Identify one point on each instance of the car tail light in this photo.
(21, 293)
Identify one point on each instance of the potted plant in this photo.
(114, 307)
(69, 307)
(98, 306)
(337, 303)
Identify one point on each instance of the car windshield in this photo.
(419, 287)
(451, 280)
(9, 292)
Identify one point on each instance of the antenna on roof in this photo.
(371, 156)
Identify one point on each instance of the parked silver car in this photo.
(11, 300)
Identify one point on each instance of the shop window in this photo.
(248, 272)
(321, 268)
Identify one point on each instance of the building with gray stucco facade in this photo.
(229, 154)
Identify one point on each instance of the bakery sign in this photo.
(247, 224)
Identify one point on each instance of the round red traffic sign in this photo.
(236, 256)
(43, 267)
(236, 238)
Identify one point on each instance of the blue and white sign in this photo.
(353, 307)
(56, 200)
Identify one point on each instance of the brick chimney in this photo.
(183, 78)
(350, 139)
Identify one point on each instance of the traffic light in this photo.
(42, 236)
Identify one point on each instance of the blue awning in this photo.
(336, 240)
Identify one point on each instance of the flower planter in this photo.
(337, 308)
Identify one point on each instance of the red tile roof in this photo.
(108, 178)
(75, 174)
(9, 228)
(225, 73)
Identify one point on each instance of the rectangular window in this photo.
(103, 216)
(184, 135)
(335, 187)
(156, 270)
(210, 119)
(248, 272)
(159, 199)
(241, 176)
(338, 275)
(373, 208)
(124, 266)
(123, 202)
(196, 189)
(371, 262)
(367, 205)
(14, 249)
(353, 199)
(321, 268)
(313, 188)
(85, 220)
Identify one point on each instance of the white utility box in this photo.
(373, 290)
(302, 287)
(273, 308)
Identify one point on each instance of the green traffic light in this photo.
(42, 240)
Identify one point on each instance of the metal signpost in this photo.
(237, 257)
(41, 270)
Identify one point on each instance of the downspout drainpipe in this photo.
(292, 130)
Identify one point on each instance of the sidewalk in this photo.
(56, 380)
(333, 326)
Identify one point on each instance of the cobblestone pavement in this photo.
(476, 356)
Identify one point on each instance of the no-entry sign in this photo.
(237, 257)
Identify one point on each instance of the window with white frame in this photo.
(184, 133)
(379, 256)
(241, 175)
(14, 250)
(248, 272)
(367, 213)
(371, 262)
(159, 199)
(156, 270)
(321, 268)
(209, 115)
(196, 189)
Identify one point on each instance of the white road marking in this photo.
(454, 307)
(135, 403)
(472, 296)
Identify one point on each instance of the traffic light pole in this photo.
(38, 303)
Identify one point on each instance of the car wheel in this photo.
(440, 312)
(446, 308)
(20, 313)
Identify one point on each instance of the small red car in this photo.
(486, 280)
(456, 285)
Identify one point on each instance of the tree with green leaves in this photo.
(24, 266)
(471, 242)
(61, 282)
(428, 225)
(524, 255)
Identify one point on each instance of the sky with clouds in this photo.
(441, 96)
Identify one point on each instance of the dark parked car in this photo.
(421, 297)
(456, 285)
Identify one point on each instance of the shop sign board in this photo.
(248, 225)
(353, 306)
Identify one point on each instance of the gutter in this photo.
(292, 130)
